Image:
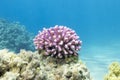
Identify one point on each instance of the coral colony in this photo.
(14, 36)
(58, 42)
(114, 72)
(29, 65)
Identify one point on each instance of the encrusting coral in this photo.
(14, 36)
(58, 42)
(114, 72)
(29, 65)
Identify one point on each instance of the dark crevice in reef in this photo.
(1, 73)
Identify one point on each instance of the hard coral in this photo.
(28, 65)
(14, 36)
(114, 72)
(58, 42)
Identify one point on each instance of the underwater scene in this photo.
(59, 40)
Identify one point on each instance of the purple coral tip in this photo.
(58, 41)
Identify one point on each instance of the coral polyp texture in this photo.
(29, 65)
(58, 41)
(114, 72)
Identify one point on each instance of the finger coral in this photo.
(58, 42)
(114, 72)
(14, 36)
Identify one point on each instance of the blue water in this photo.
(97, 22)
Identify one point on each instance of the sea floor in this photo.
(98, 58)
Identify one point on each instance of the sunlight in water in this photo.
(98, 58)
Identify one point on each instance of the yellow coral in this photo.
(114, 72)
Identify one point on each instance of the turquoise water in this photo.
(96, 22)
(98, 57)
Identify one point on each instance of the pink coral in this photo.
(58, 41)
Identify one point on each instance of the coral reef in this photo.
(58, 42)
(28, 65)
(14, 36)
(114, 72)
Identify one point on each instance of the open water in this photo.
(97, 22)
